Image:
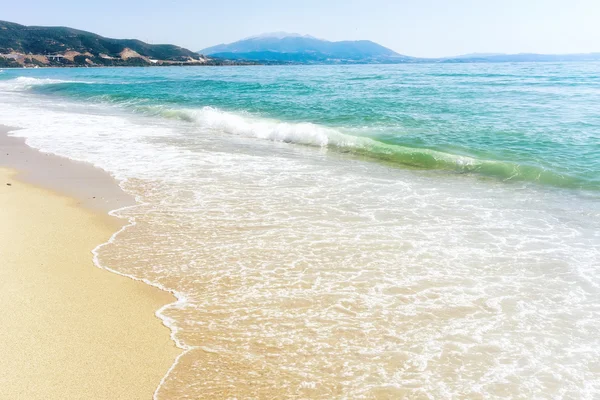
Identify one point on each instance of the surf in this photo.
(364, 142)
(314, 135)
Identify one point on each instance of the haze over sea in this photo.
(352, 232)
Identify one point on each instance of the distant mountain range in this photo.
(478, 55)
(39, 46)
(522, 57)
(304, 49)
(281, 47)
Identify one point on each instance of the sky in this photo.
(420, 28)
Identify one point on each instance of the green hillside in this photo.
(51, 40)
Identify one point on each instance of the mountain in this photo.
(522, 57)
(43, 41)
(293, 48)
(478, 55)
(532, 57)
(303, 49)
(279, 35)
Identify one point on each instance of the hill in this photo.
(523, 57)
(304, 49)
(43, 41)
(477, 55)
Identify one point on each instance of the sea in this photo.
(416, 231)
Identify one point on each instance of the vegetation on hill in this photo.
(41, 40)
(6, 63)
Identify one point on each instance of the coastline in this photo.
(91, 187)
(70, 329)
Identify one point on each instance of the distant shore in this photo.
(69, 329)
(128, 58)
(214, 63)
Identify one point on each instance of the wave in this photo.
(24, 83)
(314, 135)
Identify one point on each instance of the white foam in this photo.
(309, 134)
(385, 276)
(262, 128)
(23, 83)
(56, 131)
(160, 313)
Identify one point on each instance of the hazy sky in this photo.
(426, 28)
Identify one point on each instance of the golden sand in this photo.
(70, 330)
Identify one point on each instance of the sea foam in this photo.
(24, 83)
(336, 139)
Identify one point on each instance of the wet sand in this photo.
(70, 330)
(90, 186)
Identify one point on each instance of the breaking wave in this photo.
(334, 139)
(23, 83)
(310, 134)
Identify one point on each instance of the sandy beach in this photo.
(70, 330)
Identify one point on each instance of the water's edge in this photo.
(130, 222)
(180, 298)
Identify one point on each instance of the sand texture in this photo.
(70, 330)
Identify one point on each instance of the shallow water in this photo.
(427, 231)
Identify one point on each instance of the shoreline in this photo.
(71, 331)
(92, 187)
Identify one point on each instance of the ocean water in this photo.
(349, 232)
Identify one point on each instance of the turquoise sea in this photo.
(523, 121)
(353, 232)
